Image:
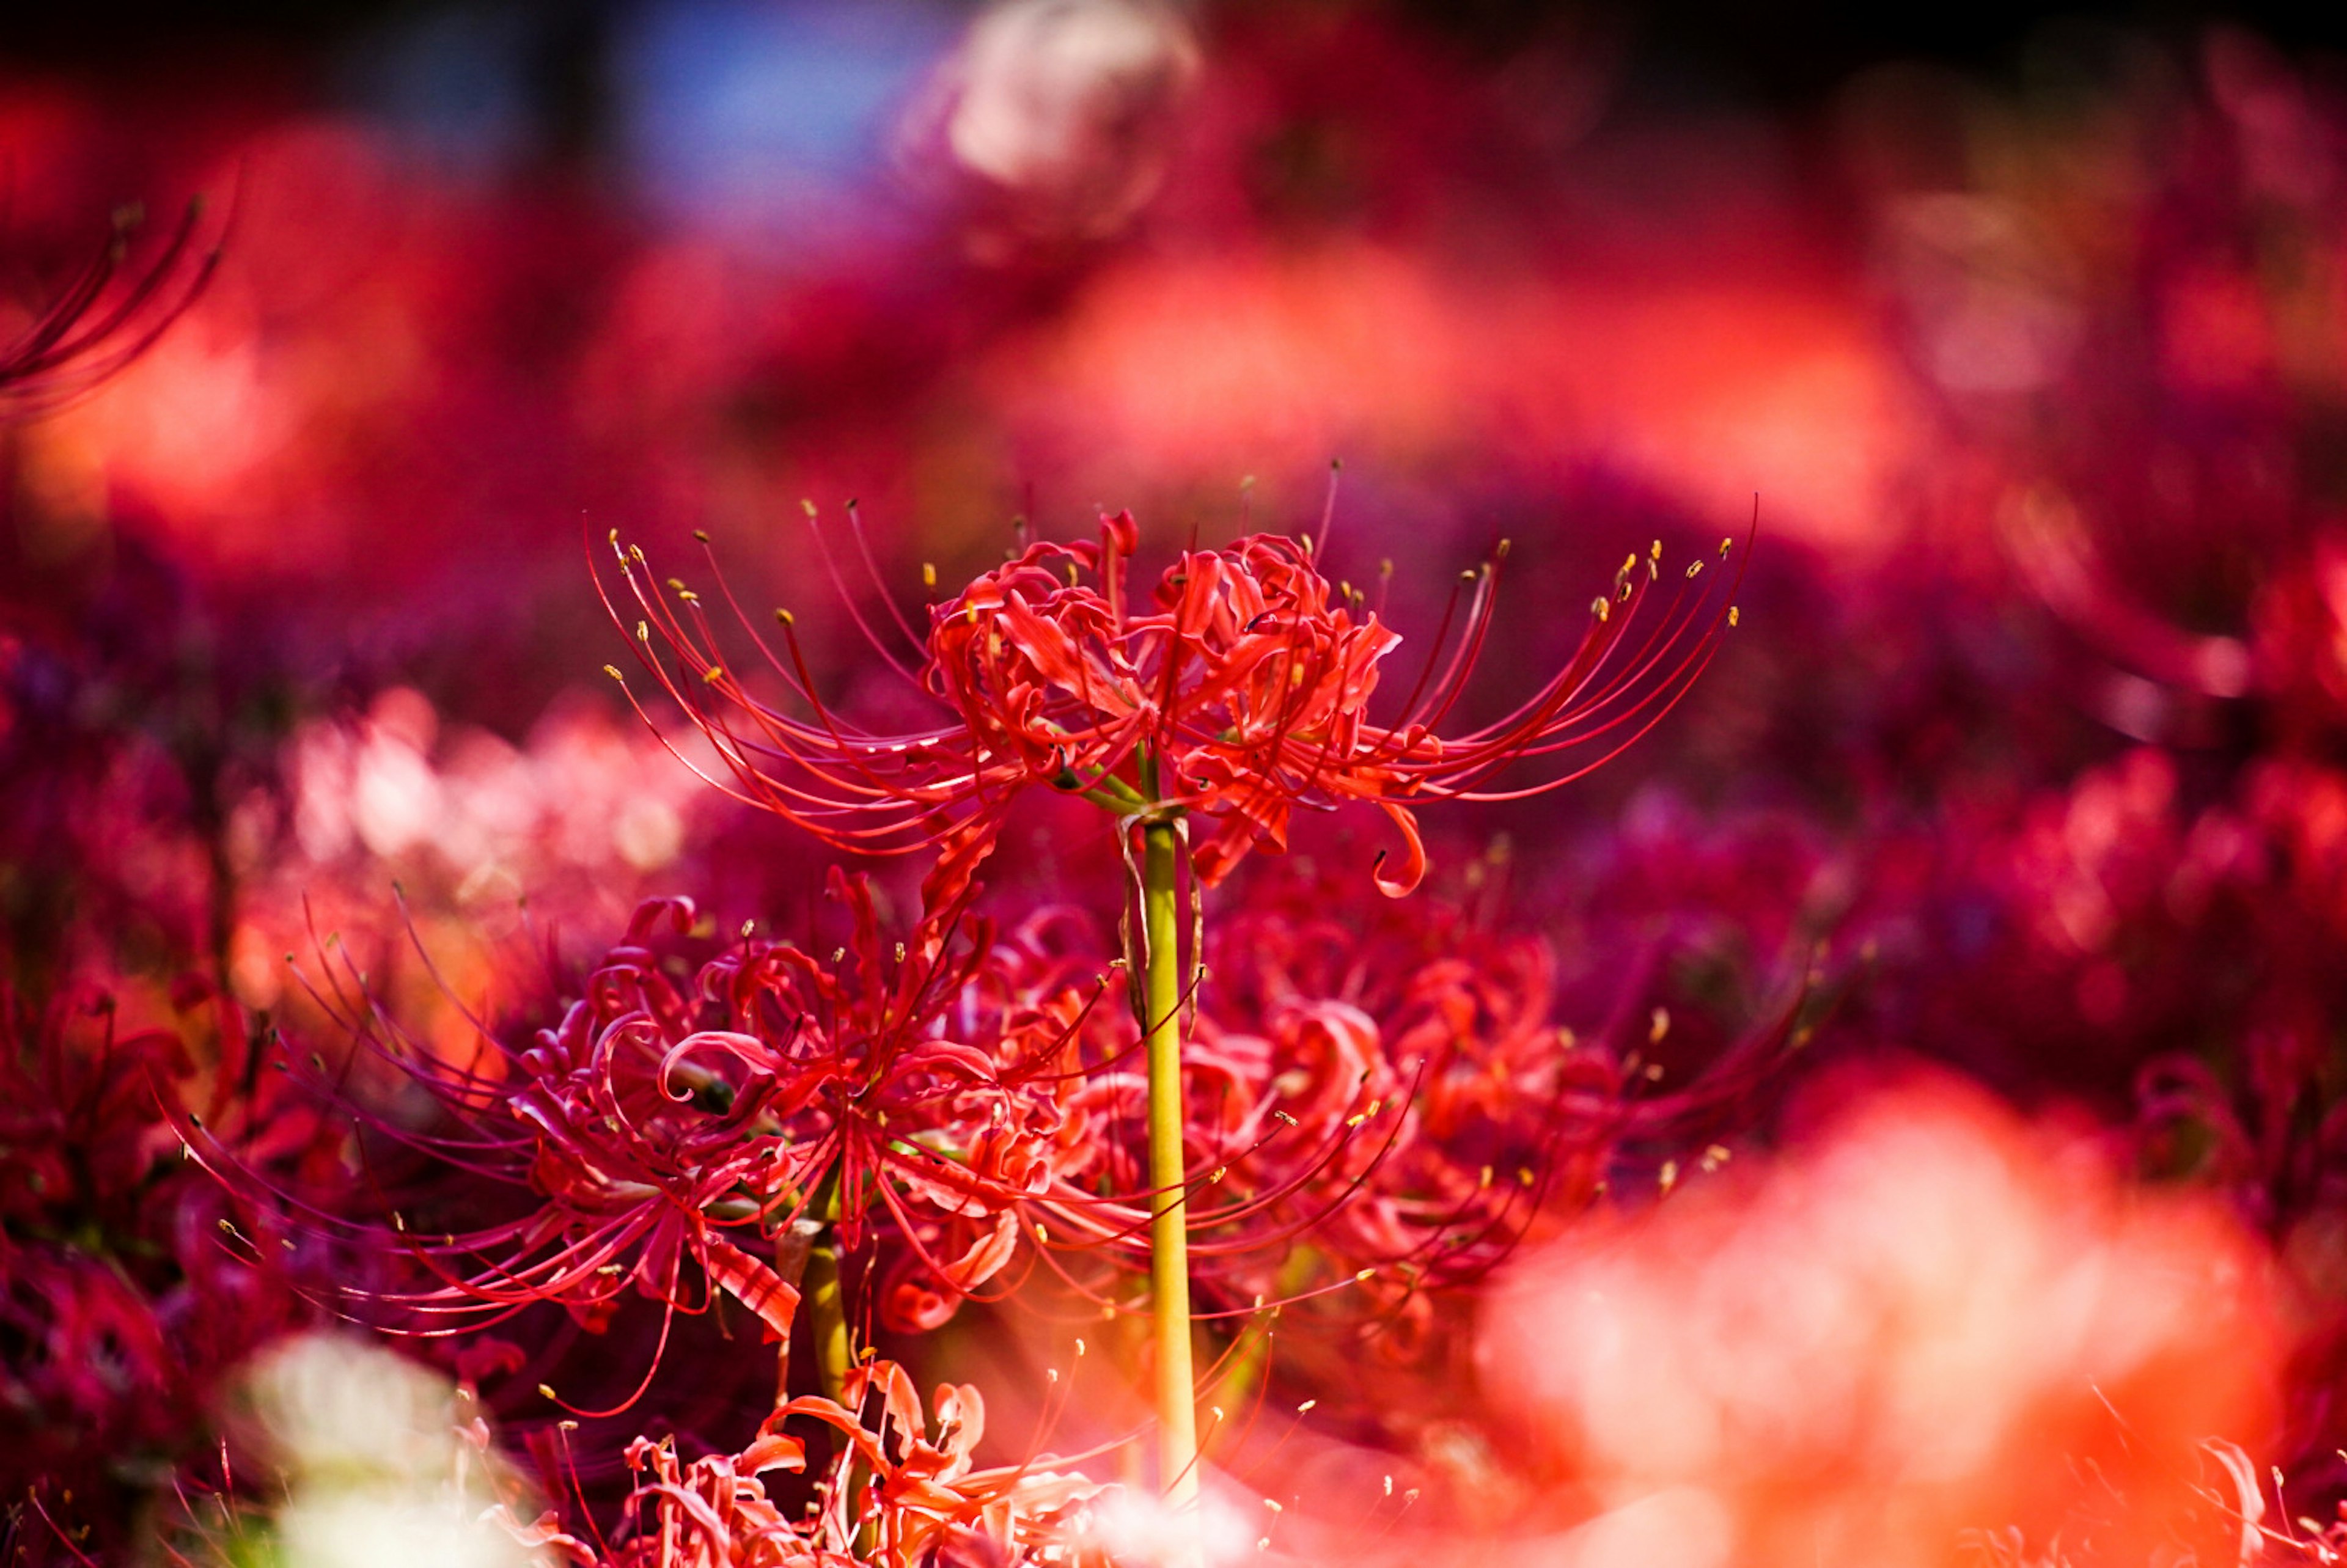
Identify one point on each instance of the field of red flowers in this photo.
(1093, 781)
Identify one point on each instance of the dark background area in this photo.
(1780, 54)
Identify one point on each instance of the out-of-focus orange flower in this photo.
(1931, 1335)
(1708, 388)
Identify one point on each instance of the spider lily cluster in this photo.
(1361, 1120)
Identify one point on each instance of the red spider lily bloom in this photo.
(903, 1093)
(896, 1496)
(1381, 1100)
(633, 1178)
(1239, 692)
(1421, 1041)
(121, 1298)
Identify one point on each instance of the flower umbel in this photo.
(1239, 691)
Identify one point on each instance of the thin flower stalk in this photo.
(1169, 1223)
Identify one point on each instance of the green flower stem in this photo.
(824, 1301)
(793, 1246)
(1169, 1233)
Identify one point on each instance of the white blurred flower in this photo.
(379, 1470)
(372, 1529)
(333, 1411)
(1065, 106)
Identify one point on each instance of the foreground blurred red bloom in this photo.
(1239, 694)
(97, 324)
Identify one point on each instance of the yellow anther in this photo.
(1695, 568)
(1600, 607)
(928, 574)
(643, 633)
(1670, 1176)
(700, 535)
(1658, 1025)
(784, 618)
(1731, 615)
(613, 671)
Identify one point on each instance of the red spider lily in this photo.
(1416, 1043)
(659, 1125)
(582, 1117)
(1239, 692)
(120, 1298)
(895, 1496)
(92, 329)
(1428, 1038)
